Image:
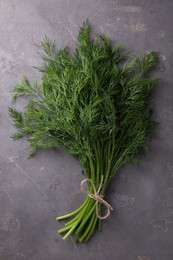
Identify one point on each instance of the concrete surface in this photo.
(34, 191)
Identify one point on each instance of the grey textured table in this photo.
(34, 191)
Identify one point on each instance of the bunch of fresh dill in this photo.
(94, 104)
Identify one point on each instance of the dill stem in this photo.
(89, 227)
(73, 212)
(90, 209)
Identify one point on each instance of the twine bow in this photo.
(97, 197)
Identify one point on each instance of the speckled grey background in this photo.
(34, 191)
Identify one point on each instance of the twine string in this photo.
(97, 197)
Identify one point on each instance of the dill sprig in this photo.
(94, 103)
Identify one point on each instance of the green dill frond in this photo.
(17, 136)
(24, 89)
(16, 116)
(88, 95)
(48, 47)
(148, 62)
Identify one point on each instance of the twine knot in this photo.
(97, 197)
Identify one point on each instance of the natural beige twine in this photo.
(97, 197)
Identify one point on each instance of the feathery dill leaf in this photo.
(92, 106)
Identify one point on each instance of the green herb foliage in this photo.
(93, 103)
